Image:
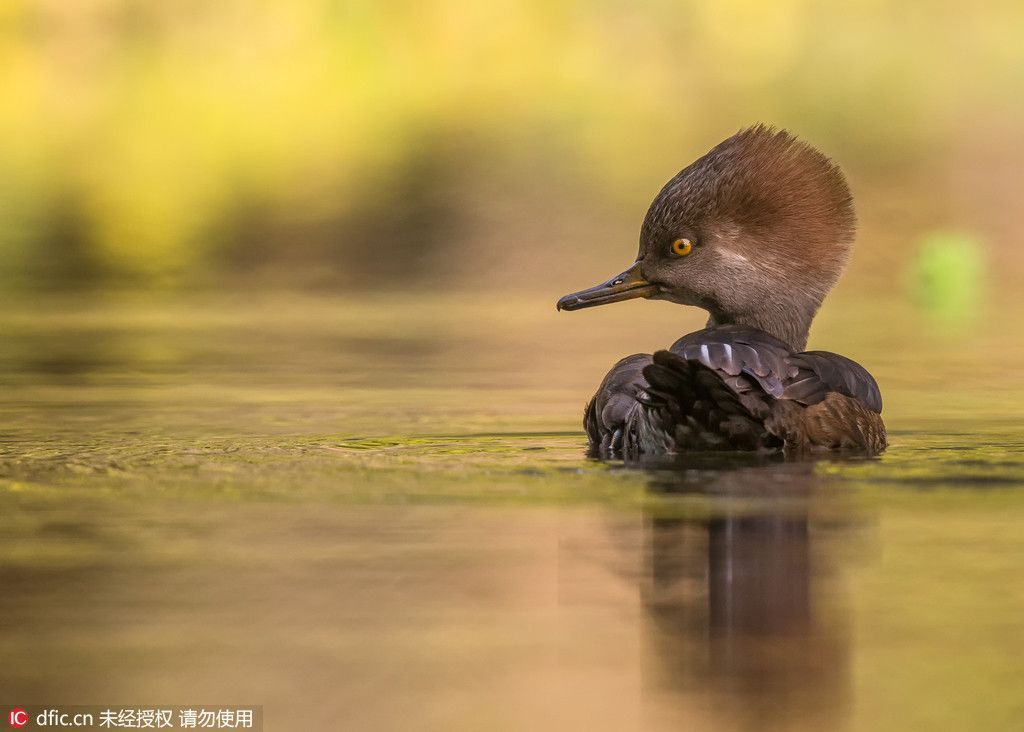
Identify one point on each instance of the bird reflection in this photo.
(742, 618)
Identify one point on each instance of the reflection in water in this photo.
(729, 598)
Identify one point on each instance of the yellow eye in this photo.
(682, 247)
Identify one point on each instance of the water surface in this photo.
(377, 514)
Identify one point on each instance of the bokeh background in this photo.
(327, 145)
(288, 417)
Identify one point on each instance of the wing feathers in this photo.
(725, 386)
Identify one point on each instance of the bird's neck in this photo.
(789, 322)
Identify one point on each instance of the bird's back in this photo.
(734, 387)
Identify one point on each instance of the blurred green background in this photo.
(508, 145)
(287, 415)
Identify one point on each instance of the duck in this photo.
(756, 232)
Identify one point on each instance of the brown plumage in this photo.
(756, 232)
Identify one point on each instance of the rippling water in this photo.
(377, 514)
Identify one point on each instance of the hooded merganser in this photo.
(756, 232)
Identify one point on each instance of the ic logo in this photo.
(17, 717)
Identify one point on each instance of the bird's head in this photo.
(755, 231)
